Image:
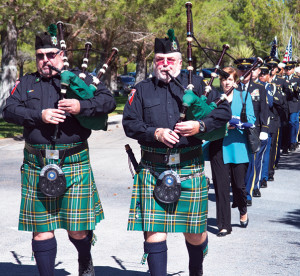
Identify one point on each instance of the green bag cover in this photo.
(198, 109)
(78, 89)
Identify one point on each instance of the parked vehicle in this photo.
(132, 74)
(207, 72)
(125, 83)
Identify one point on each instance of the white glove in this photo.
(263, 136)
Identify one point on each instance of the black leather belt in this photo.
(166, 158)
(62, 153)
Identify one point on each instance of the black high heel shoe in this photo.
(223, 233)
(244, 224)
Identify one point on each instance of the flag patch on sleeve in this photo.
(131, 95)
(15, 87)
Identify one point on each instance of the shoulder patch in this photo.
(15, 87)
(131, 95)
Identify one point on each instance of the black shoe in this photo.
(292, 147)
(276, 167)
(86, 267)
(249, 202)
(263, 183)
(271, 178)
(244, 224)
(223, 233)
(256, 193)
(285, 152)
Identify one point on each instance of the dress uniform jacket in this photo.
(261, 109)
(282, 86)
(276, 101)
(79, 208)
(293, 96)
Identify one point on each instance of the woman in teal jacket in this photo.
(230, 157)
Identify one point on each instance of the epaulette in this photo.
(260, 84)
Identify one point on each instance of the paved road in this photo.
(269, 246)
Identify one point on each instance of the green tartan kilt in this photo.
(188, 215)
(78, 209)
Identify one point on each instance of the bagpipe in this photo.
(195, 107)
(74, 87)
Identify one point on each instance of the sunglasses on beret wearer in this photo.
(49, 55)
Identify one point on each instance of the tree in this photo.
(15, 17)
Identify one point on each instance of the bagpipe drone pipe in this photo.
(195, 107)
(74, 87)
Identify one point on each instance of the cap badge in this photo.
(174, 45)
(54, 40)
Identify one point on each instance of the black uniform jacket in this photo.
(34, 93)
(154, 104)
(293, 97)
(283, 87)
(258, 94)
(275, 107)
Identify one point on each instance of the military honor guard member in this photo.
(58, 187)
(293, 99)
(282, 87)
(276, 102)
(170, 190)
(261, 110)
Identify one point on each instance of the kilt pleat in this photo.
(188, 215)
(79, 208)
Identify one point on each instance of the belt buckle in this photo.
(52, 154)
(174, 159)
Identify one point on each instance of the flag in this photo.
(274, 52)
(288, 51)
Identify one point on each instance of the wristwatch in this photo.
(202, 127)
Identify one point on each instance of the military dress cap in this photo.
(265, 69)
(272, 61)
(290, 65)
(244, 63)
(167, 45)
(47, 39)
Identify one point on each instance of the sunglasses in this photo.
(49, 55)
(161, 61)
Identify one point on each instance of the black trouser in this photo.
(237, 175)
(221, 181)
(222, 175)
(273, 152)
(285, 142)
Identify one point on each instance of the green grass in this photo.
(121, 101)
(9, 130)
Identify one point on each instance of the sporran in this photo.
(168, 187)
(52, 181)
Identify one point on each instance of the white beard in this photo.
(165, 77)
